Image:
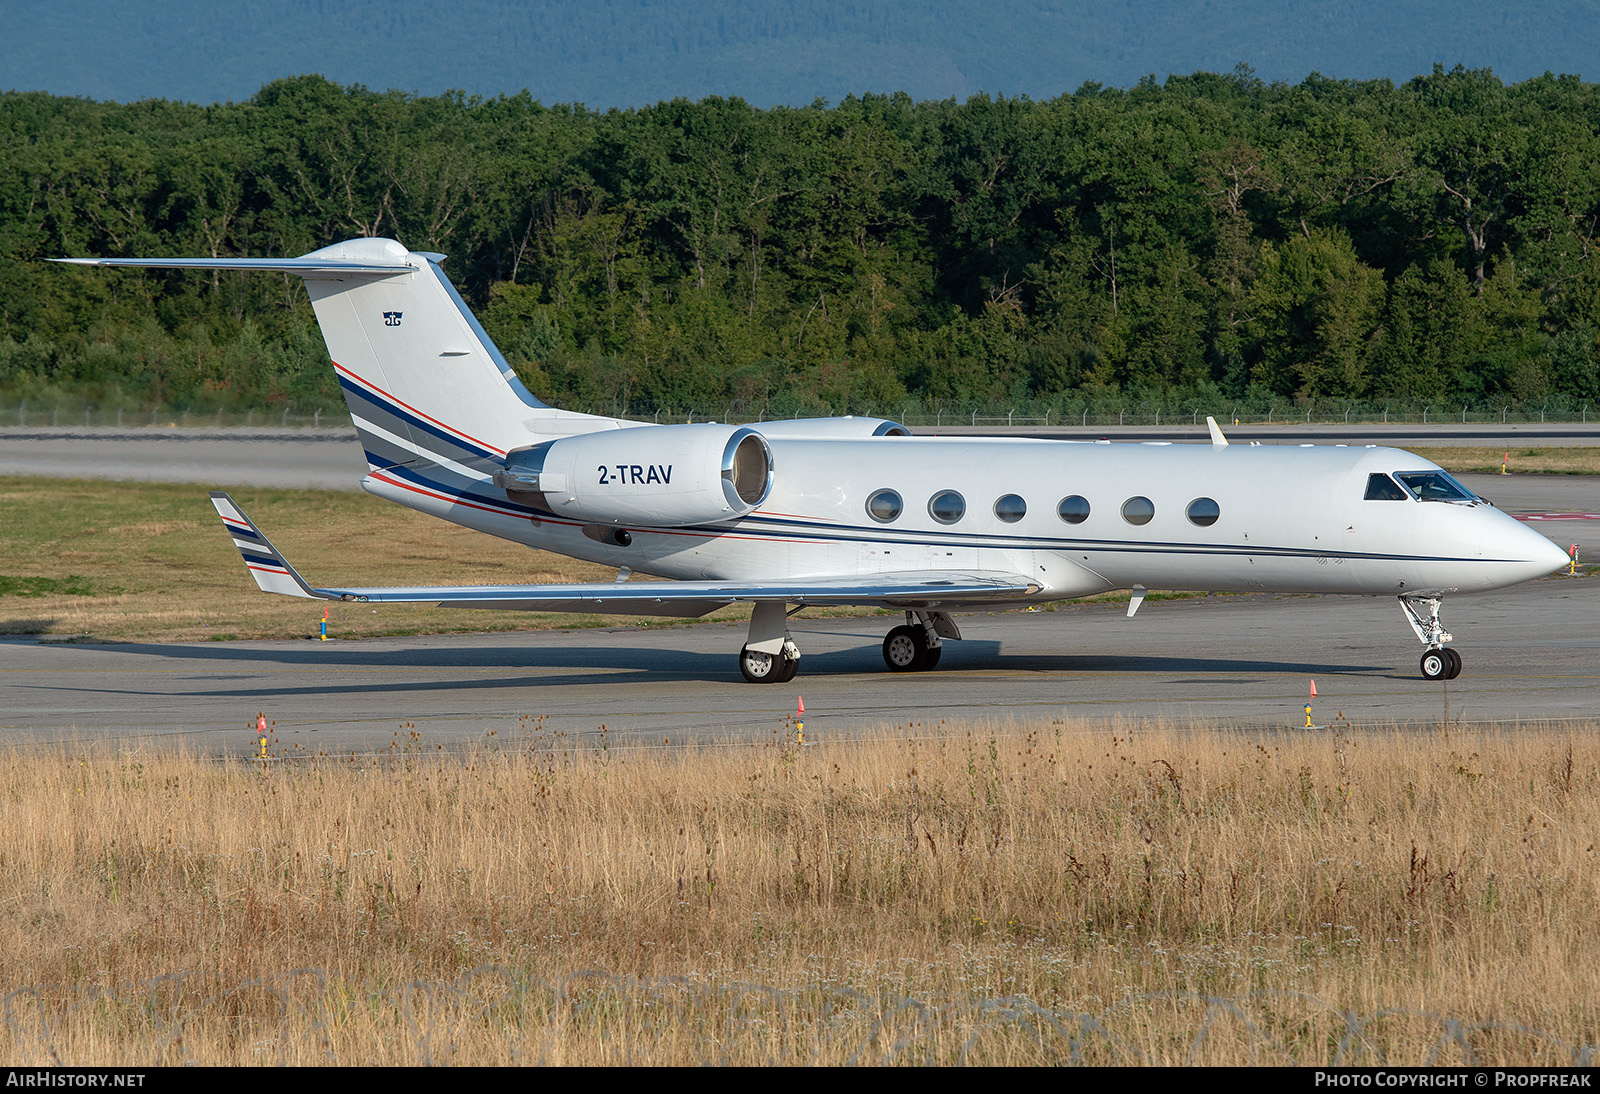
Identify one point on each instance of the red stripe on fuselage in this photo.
(428, 417)
(457, 500)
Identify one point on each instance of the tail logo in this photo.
(391, 319)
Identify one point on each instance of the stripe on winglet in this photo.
(271, 570)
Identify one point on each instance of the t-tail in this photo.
(424, 382)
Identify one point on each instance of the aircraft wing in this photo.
(913, 589)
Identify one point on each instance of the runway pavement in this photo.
(332, 458)
(1531, 652)
(329, 459)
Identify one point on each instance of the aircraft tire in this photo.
(789, 670)
(934, 653)
(905, 649)
(1455, 663)
(1436, 665)
(760, 668)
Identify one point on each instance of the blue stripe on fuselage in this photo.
(784, 528)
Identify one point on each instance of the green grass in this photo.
(71, 585)
(150, 561)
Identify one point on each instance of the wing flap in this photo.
(693, 598)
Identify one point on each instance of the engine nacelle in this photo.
(845, 428)
(665, 476)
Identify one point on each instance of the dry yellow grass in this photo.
(1024, 895)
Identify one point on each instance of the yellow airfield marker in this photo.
(799, 719)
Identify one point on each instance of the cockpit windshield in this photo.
(1434, 486)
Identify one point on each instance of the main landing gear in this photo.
(769, 655)
(917, 646)
(1439, 661)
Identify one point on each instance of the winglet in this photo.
(1217, 439)
(270, 569)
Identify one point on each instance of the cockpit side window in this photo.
(1434, 486)
(1381, 487)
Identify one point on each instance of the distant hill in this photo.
(607, 53)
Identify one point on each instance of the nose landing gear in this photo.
(1439, 662)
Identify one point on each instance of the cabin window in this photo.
(1203, 512)
(884, 506)
(1434, 486)
(1383, 488)
(947, 507)
(1073, 510)
(1011, 508)
(1138, 510)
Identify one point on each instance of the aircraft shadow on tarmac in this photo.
(620, 665)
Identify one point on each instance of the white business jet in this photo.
(833, 511)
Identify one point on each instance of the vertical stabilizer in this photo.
(421, 377)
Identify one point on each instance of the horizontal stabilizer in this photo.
(917, 589)
(316, 268)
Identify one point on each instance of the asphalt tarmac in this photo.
(1531, 653)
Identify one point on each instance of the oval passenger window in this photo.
(1010, 508)
(1138, 510)
(1204, 512)
(884, 506)
(1074, 510)
(947, 507)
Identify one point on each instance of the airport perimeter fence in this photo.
(497, 1014)
(68, 413)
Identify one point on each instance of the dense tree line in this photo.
(1213, 238)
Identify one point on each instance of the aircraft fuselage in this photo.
(1284, 518)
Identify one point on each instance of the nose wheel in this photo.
(1439, 661)
(1443, 663)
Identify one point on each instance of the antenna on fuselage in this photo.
(1217, 439)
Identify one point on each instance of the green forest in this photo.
(1213, 240)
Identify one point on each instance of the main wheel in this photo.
(1436, 665)
(789, 669)
(1455, 663)
(905, 649)
(932, 659)
(761, 668)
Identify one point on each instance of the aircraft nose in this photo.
(1552, 557)
(1532, 553)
